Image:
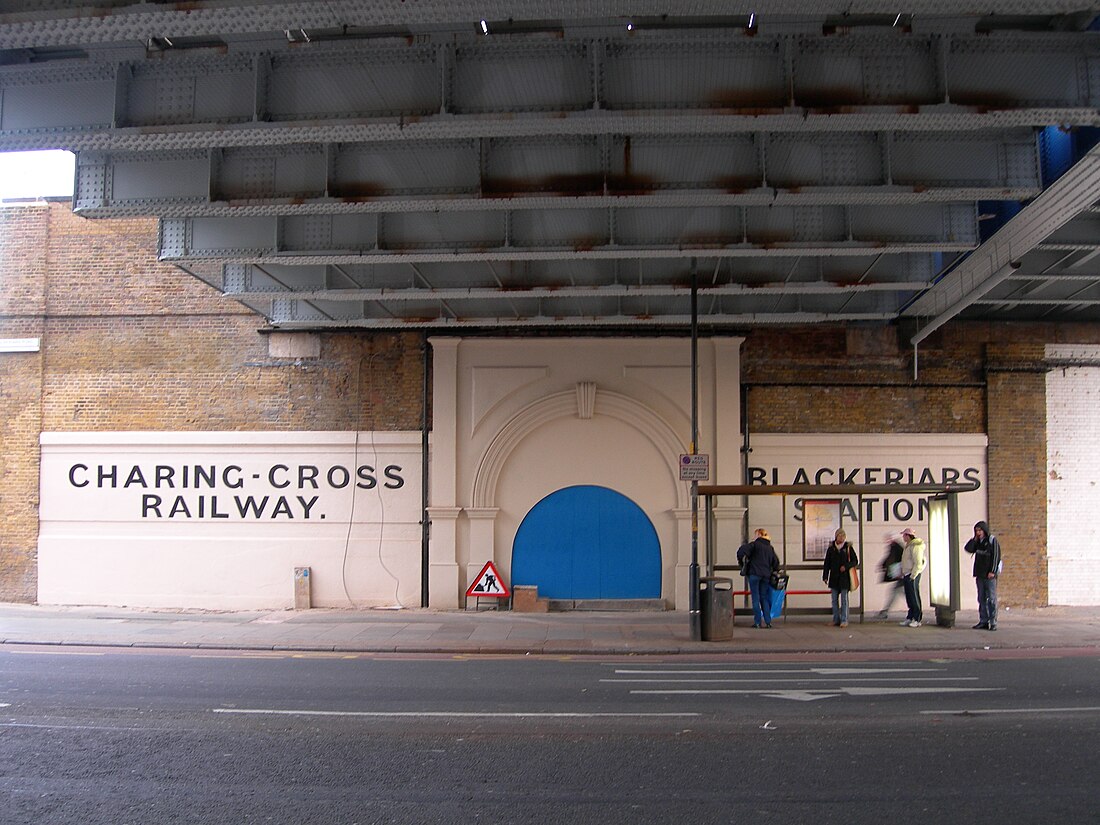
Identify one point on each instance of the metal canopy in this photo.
(440, 164)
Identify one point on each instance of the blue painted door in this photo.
(588, 542)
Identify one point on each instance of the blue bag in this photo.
(777, 602)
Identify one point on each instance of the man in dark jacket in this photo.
(987, 566)
(762, 563)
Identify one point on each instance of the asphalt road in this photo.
(104, 736)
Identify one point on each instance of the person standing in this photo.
(986, 551)
(891, 573)
(912, 565)
(762, 563)
(840, 558)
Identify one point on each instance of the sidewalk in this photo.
(506, 632)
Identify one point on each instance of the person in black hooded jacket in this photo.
(986, 551)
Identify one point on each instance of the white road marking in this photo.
(906, 679)
(984, 711)
(5, 704)
(809, 695)
(817, 671)
(889, 691)
(67, 727)
(383, 714)
(56, 652)
(270, 655)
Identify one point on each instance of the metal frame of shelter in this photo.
(813, 491)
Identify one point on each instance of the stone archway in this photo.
(491, 523)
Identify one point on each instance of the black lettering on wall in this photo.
(393, 473)
(72, 475)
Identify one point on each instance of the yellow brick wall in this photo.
(1017, 418)
(24, 238)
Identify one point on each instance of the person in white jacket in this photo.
(913, 560)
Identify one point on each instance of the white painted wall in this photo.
(1073, 477)
(510, 426)
(133, 540)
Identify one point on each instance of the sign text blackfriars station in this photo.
(210, 491)
(875, 508)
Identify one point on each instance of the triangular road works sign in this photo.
(488, 584)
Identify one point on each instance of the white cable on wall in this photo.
(398, 604)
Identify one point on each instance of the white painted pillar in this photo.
(444, 509)
(683, 556)
(443, 583)
(482, 521)
(727, 466)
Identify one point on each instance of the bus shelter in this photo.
(822, 507)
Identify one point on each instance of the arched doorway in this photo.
(588, 542)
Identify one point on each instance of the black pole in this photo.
(695, 617)
(425, 525)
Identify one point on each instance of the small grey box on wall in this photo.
(301, 588)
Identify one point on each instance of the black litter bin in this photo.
(716, 607)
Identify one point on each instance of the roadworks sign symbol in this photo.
(488, 583)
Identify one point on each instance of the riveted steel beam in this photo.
(261, 283)
(574, 234)
(30, 23)
(289, 318)
(413, 89)
(998, 258)
(529, 173)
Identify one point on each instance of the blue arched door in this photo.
(588, 542)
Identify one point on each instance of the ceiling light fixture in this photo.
(752, 19)
(484, 27)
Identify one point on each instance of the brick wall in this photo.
(1016, 410)
(827, 379)
(24, 238)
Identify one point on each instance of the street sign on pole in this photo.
(694, 467)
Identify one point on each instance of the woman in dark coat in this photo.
(762, 563)
(840, 559)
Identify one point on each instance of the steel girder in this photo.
(329, 92)
(554, 173)
(382, 164)
(574, 234)
(1065, 208)
(33, 24)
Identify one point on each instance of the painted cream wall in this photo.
(516, 420)
(832, 458)
(1073, 477)
(107, 545)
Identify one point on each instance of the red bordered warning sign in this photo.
(488, 584)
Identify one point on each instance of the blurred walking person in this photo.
(891, 573)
